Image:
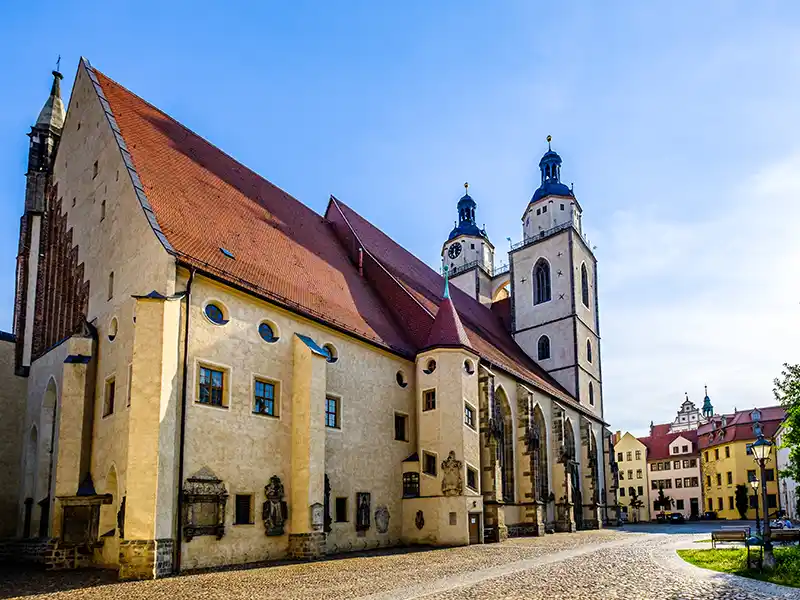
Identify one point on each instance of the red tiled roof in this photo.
(660, 429)
(447, 330)
(502, 308)
(204, 200)
(658, 445)
(739, 426)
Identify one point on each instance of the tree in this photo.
(635, 503)
(742, 500)
(663, 502)
(787, 392)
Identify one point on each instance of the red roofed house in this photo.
(673, 464)
(217, 375)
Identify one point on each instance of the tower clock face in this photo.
(454, 250)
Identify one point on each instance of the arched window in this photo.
(541, 282)
(591, 394)
(584, 285)
(589, 350)
(544, 347)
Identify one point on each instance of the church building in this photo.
(215, 374)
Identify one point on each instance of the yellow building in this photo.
(632, 463)
(727, 461)
(216, 374)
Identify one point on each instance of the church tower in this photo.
(44, 138)
(468, 254)
(554, 288)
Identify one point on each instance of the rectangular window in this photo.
(685, 463)
(108, 397)
(678, 483)
(719, 503)
(751, 475)
(428, 400)
(653, 485)
(130, 382)
(667, 465)
(411, 485)
(628, 456)
(676, 464)
(708, 480)
(630, 473)
(622, 492)
(332, 419)
(638, 473)
(679, 504)
(562, 207)
(111, 285)
(692, 463)
(544, 209)
(212, 386)
(716, 456)
(639, 489)
(695, 482)
(400, 427)
(719, 478)
(619, 456)
(730, 478)
(264, 398)
(685, 448)
(469, 416)
(668, 484)
(429, 463)
(340, 510)
(730, 502)
(638, 455)
(710, 504)
(749, 449)
(769, 475)
(622, 475)
(727, 451)
(706, 455)
(244, 509)
(652, 466)
(538, 211)
(472, 479)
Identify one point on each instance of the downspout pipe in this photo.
(182, 437)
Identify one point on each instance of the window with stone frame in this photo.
(108, 396)
(619, 456)
(429, 463)
(211, 387)
(692, 463)
(719, 478)
(332, 413)
(730, 502)
(730, 478)
(676, 464)
(541, 282)
(727, 451)
(243, 509)
(719, 503)
(640, 490)
(708, 480)
(469, 416)
(684, 449)
(678, 483)
(638, 455)
(428, 400)
(584, 285)
(638, 473)
(629, 455)
(685, 463)
(400, 427)
(630, 473)
(622, 492)
(622, 475)
(340, 510)
(411, 485)
(264, 398)
(472, 479)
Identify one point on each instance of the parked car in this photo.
(710, 515)
(677, 517)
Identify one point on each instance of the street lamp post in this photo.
(761, 450)
(754, 485)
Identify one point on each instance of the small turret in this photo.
(708, 409)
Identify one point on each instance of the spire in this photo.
(467, 224)
(446, 282)
(447, 330)
(52, 113)
(708, 409)
(550, 168)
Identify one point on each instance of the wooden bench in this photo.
(730, 535)
(785, 535)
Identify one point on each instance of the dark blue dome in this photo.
(466, 219)
(550, 166)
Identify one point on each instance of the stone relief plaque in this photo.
(317, 511)
(452, 484)
(382, 519)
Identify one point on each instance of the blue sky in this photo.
(678, 126)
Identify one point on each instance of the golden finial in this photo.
(466, 187)
(549, 139)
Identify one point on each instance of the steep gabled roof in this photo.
(740, 426)
(658, 445)
(340, 270)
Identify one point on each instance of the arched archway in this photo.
(504, 432)
(29, 480)
(539, 465)
(45, 459)
(108, 529)
(501, 290)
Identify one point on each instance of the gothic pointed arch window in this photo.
(543, 348)
(584, 285)
(589, 350)
(539, 456)
(591, 394)
(504, 435)
(541, 282)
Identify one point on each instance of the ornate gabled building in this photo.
(218, 375)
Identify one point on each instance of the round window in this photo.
(469, 367)
(401, 379)
(215, 314)
(267, 333)
(331, 354)
(112, 330)
(430, 367)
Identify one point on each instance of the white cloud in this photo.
(709, 300)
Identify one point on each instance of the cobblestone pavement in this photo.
(587, 565)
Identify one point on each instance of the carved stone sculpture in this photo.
(274, 511)
(362, 511)
(452, 484)
(382, 519)
(204, 499)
